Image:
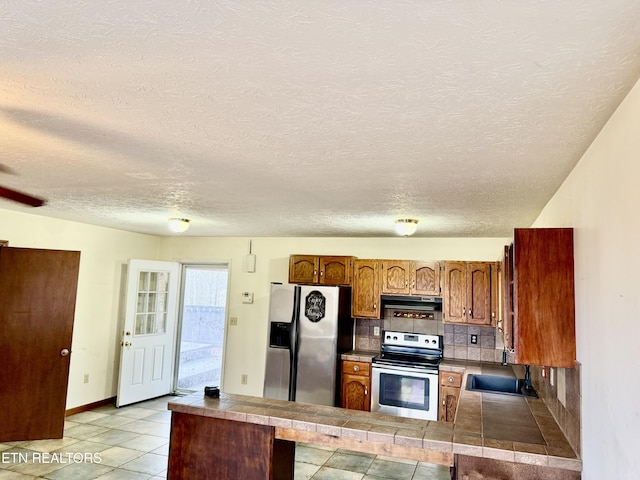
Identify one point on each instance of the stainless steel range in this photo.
(405, 375)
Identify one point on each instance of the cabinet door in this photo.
(544, 297)
(450, 383)
(303, 269)
(335, 270)
(356, 392)
(454, 299)
(425, 278)
(448, 403)
(507, 298)
(478, 303)
(395, 276)
(365, 296)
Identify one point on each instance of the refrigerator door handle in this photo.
(293, 351)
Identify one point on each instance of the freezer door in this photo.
(316, 351)
(279, 354)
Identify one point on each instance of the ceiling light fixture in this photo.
(406, 226)
(178, 225)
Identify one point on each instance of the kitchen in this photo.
(403, 309)
(598, 199)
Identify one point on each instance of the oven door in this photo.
(404, 391)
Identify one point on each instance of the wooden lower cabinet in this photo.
(356, 385)
(450, 384)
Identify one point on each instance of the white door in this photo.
(148, 340)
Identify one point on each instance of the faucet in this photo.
(527, 378)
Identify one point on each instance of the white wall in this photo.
(95, 344)
(600, 199)
(246, 342)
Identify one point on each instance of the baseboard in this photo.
(90, 406)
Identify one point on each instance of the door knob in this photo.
(64, 352)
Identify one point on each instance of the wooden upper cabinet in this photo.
(467, 293)
(303, 268)
(395, 276)
(320, 270)
(365, 293)
(425, 278)
(543, 297)
(406, 277)
(335, 270)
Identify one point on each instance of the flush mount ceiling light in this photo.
(406, 226)
(178, 225)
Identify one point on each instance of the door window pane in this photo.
(151, 308)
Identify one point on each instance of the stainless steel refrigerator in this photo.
(309, 327)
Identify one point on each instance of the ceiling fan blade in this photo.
(5, 169)
(21, 197)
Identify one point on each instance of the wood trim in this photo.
(377, 448)
(90, 406)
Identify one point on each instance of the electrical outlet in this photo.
(86, 378)
(243, 379)
(233, 321)
(474, 339)
(376, 331)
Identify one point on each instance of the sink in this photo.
(497, 384)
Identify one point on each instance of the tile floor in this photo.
(132, 443)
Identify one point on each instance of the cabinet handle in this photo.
(315, 272)
(450, 379)
(356, 368)
(470, 312)
(375, 306)
(366, 391)
(406, 283)
(321, 273)
(464, 311)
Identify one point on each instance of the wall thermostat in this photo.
(247, 297)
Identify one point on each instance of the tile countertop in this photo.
(499, 427)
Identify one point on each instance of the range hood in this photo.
(423, 304)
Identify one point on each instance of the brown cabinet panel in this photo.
(303, 268)
(467, 293)
(543, 297)
(320, 270)
(366, 289)
(356, 385)
(407, 277)
(450, 384)
(454, 301)
(479, 293)
(395, 275)
(335, 270)
(425, 278)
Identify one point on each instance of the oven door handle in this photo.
(392, 369)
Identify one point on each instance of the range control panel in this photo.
(405, 339)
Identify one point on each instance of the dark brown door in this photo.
(37, 305)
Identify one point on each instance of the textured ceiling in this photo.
(306, 118)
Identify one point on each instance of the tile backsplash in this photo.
(457, 338)
(563, 398)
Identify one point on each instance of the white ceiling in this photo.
(307, 117)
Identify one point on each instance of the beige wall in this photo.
(600, 200)
(95, 348)
(104, 253)
(246, 342)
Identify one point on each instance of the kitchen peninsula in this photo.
(239, 436)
